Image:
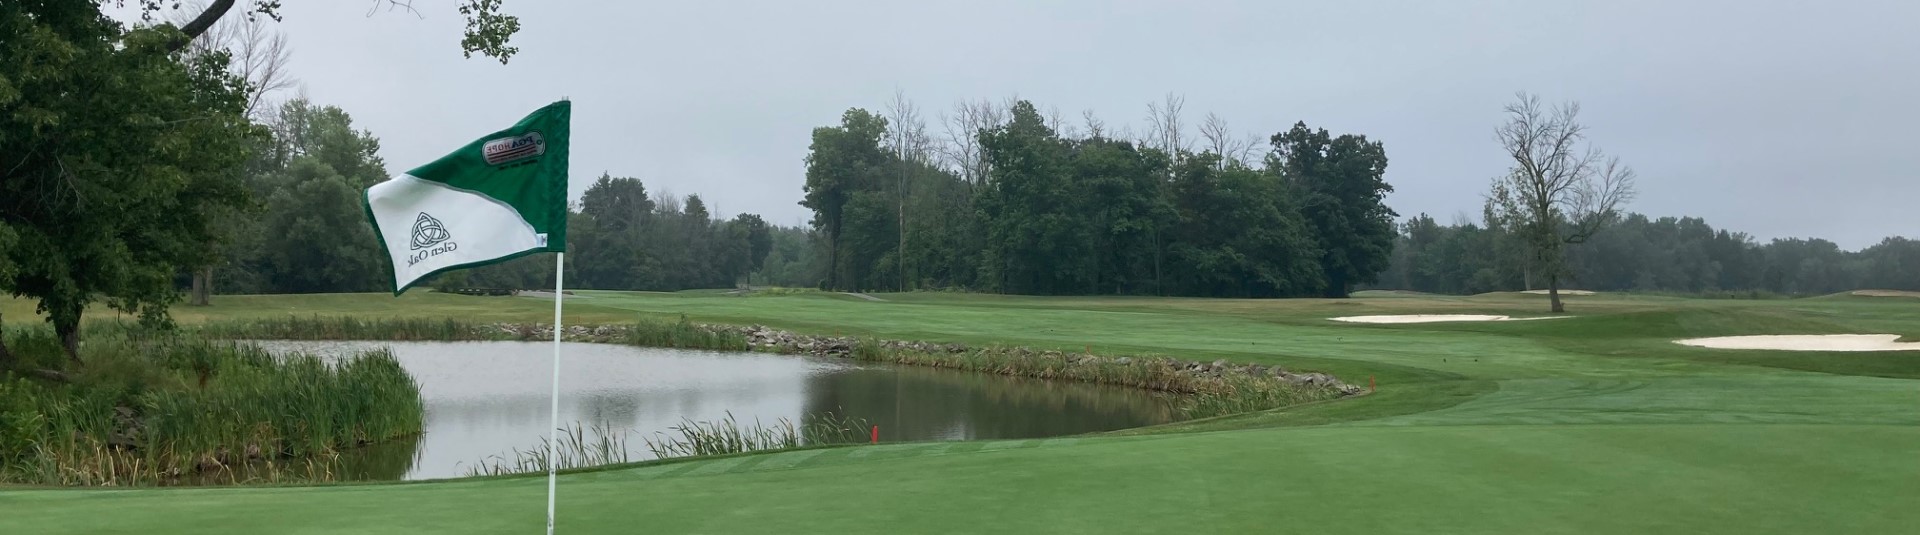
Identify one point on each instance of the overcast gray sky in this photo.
(1774, 118)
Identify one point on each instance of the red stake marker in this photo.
(1370, 385)
(876, 434)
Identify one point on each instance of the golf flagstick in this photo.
(553, 418)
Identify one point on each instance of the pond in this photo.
(485, 399)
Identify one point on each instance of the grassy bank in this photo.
(145, 410)
(1595, 424)
(1214, 393)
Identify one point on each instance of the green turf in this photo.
(1595, 424)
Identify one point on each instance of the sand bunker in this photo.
(1807, 342)
(1436, 318)
(1562, 292)
(1885, 293)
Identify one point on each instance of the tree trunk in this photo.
(833, 261)
(202, 286)
(6, 357)
(902, 259)
(1336, 287)
(69, 332)
(1159, 288)
(1553, 293)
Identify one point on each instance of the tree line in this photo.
(306, 231)
(1644, 254)
(1012, 200)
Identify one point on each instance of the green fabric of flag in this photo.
(498, 198)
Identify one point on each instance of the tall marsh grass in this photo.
(589, 446)
(691, 439)
(653, 332)
(573, 449)
(160, 410)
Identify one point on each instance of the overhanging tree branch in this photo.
(201, 23)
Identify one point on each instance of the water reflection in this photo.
(486, 398)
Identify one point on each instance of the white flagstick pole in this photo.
(553, 419)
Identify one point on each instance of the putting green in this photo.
(1595, 425)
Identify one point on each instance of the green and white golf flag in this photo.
(498, 198)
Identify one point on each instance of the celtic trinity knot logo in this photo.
(427, 232)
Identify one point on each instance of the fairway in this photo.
(1596, 423)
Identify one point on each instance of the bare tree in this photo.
(260, 53)
(1166, 132)
(1164, 129)
(1058, 122)
(666, 202)
(908, 138)
(1096, 128)
(1220, 140)
(1559, 191)
(962, 150)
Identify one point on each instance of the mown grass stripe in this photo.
(789, 459)
(716, 466)
(674, 471)
(1007, 445)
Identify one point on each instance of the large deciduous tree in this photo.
(1033, 231)
(1238, 234)
(1559, 191)
(117, 155)
(1342, 188)
(844, 160)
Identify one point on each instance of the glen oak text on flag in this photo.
(498, 198)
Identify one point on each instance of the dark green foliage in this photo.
(306, 230)
(1239, 235)
(624, 239)
(118, 154)
(1028, 211)
(310, 235)
(1341, 184)
(753, 232)
(843, 161)
(1051, 214)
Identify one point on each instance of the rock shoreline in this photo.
(763, 338)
